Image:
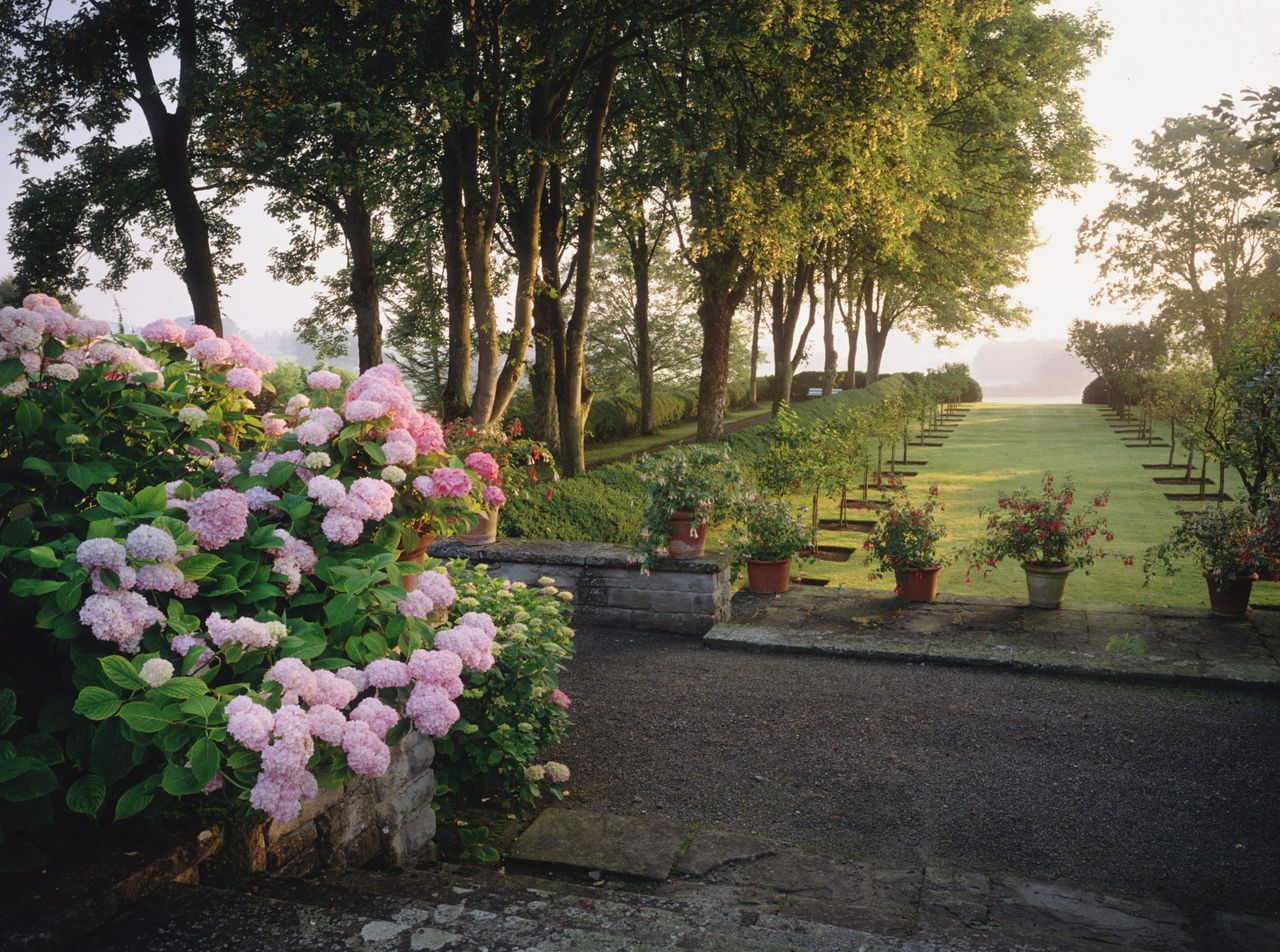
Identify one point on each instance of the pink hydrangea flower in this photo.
(247, 632)
(472, 645)
(293, 560)
(326, 722)
(218, 517)
(332, 689)
(249, 723)
(323, 380)
(101, 554)
(163, 331)
(246, 356)
(431, 710)
(484, 466)
(292, 674)
(341, 527)
(259, 498)
(379, 716)
(415, 604)
(429, 435)
(211, 350)
(367, 754)
(370, 499)
(151, 544)
(559, 699)
(437, 587)
(120, 618)
(434, 667)
(327, 491)
(226, 467)
(246, 379)
(481, 620)
(182, 646)
(161, 577)
(399, 449)
(444, 482)
(386, 673)
(494, 497)
(353, 676)
(273, 426)
(195, 334)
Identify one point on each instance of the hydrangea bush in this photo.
(215, 604)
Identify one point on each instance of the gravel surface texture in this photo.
(1132, 789)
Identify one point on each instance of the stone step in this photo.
(449, 910)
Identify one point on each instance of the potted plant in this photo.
(768, 536)
(687, 487)
(1229, 546)
(509, 465)
(1046, 533)
(905, 542)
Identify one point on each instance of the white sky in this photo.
(1165, 58)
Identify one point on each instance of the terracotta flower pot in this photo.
(1046, 583)
(1232, 599)
(418, 555)
(483, 532)
(768, 576)
(918, 584)
(686, 541)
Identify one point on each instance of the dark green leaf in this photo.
(86, 795)
(96, 703)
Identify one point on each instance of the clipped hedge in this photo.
(602, 506)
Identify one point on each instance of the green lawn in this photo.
(1004, 446)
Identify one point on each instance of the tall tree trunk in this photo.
(724, 279)
(457, 388)
(757, 308)
(798, 356)
(357, 227)
(830, 359)
(876, 328)
(852, 316)
(573, 399)
(638, 240)
(1172, 442)
(170, 139)
(526, 232)
(548, 318)
(787, 299)
(479, 218)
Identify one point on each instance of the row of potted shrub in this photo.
(1050, 533)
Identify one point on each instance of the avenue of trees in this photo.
(658, 187)
(1194, 234)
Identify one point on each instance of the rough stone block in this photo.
(691, 603)
(397, 775)
(361, 848)
(415, 794)
(602, 616)
(287, 850)
(680, 623)
(413, 833)
(419, 750)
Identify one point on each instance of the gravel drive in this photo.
(1126, 788)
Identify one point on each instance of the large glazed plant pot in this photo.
(483, 532)
(768, 577)
(918, 585)
(1046, 583)
(1232, 599)
(687, 540)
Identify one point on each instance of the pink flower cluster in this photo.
(379, 394)
(447, 482)
(471, 639)
(368, 500)
(293, 560)
(246, 632)
(323, 380)
(318, 425)
(399, 448)
(120, 617)
(484, 466)
(218, 517)
(24, 330)
(434, 590)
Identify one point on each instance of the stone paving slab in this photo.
(642, 848)
(1177, 645)
(928, 907)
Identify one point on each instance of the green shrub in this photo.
(584, 509)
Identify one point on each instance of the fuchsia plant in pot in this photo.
(905, 542)
(1229, 545)
(687, 488)
(768, 535)
(1047, 533)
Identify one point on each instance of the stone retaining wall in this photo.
(609, 587)
(388, 818)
